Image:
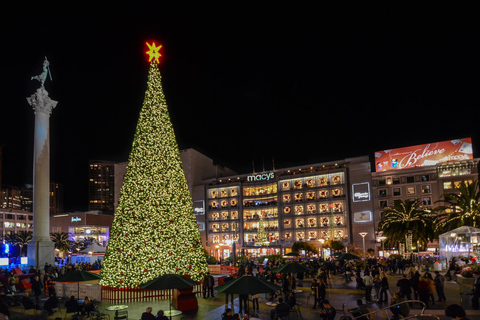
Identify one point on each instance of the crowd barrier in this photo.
(219, 269)
(116, 295)
(82, 290)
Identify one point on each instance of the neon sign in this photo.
(261, 177)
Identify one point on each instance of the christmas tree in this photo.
(154, 231)
(261, 239)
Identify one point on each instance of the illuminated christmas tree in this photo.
(154, 231)
(262, 238)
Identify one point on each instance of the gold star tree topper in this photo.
(153, 52)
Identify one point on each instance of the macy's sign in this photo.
(261, 177)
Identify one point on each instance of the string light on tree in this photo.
(154, 231)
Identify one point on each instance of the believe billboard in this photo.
(424, 155)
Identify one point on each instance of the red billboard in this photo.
(424, 155)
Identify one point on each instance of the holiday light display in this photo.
(154, 231)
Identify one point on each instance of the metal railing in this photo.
(385, 310)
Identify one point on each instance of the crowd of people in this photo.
(372, 275)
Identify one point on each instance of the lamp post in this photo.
(363, 234)
(382, 239)
(322, 241)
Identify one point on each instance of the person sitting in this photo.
(403, 309)
(87, 306)
(51, 303)
(360, 283)
(360, 310)
(71, 305)
(227, 315)
(456, 312)
(292, 301)
(327, 312)
(161, 315)
(281, 310)
(147, 315)
(28, 303)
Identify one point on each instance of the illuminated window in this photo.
(426, 188)
(447, 185)
(425, 177)
(410, 190)
(457, 184)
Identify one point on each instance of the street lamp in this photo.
(363, 234)
(322, 241)
(382, 239)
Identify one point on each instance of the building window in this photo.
(457, 184)
(410, 179)
(427, 201)
(396, 181)
(397, 192)
(382, 192)
(410, 190)
(382, 182)
(426, 188)
(425, 177)
(383, 203)
(447, 185)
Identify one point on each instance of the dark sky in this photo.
(243, 81)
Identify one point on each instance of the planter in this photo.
(466, 284)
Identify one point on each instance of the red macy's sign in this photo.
(424, 155)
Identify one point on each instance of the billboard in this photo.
(424, 155)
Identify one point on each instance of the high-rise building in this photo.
(10, 198)
(56, 198)
(101, 186)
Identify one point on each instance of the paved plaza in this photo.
(338, 293)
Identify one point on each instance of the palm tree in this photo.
(407, 216)
(61, 241)
(462, 209)
(22, 239)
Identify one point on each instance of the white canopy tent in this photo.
(460, 242)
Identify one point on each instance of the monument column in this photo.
(41, 249)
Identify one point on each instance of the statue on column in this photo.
(43, 76)
(40, 101)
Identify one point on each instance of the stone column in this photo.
(41, 249)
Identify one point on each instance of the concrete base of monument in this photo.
(41, 252)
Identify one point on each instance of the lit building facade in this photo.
(431, 173)
(82, 225)
(15, 221)
(56, 198)
(313, 203)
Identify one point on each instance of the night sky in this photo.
(243, 81)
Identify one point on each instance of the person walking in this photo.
(368, 281)
(423, 291)
(439, 282)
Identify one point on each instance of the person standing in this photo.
(431, 287)
(405, 287)
(377, 284)
(384, 288)
(208, 286)
(368, 281)
(439, 282)
(227, 295)
(36, 286)
(315, 293)
(476, 291)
